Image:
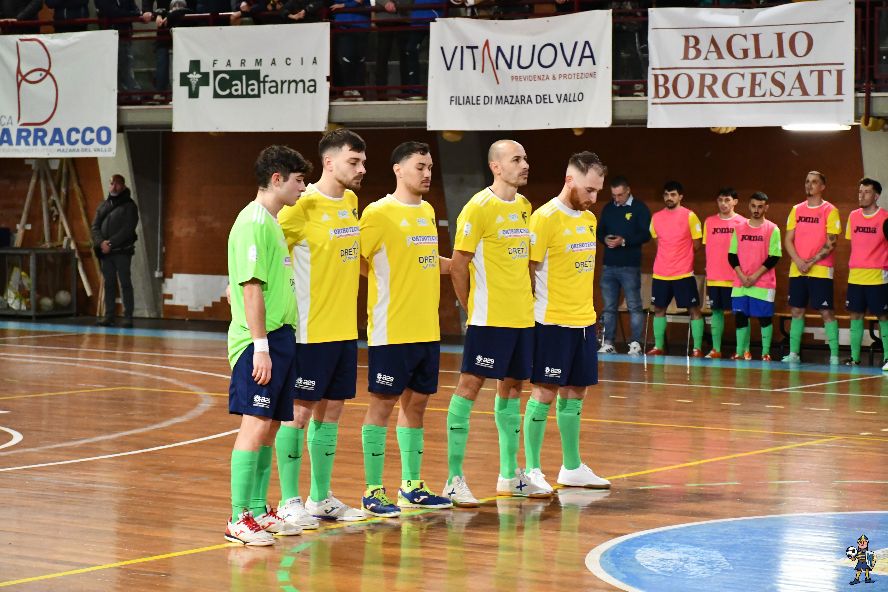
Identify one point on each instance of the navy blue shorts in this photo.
(565, 356)
(327, 370)
(811, 292)
(684, 291)
(861, 298)
(719, 297)
(498, 352)
(753, 307)
(414, 366)
(275, 399)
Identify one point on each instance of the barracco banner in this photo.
(268, 78)
(58, 95)
(791, 64)
(524, 74)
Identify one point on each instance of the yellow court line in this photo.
(727, 457)
(77, 392)
(343, 524)
(84, 570)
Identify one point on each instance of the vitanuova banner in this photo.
(770, 66)
(522, 74)
(58, 95)
(251, 78)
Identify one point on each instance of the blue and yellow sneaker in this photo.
(415, 494)
(377, 503)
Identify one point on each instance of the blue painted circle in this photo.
(804, 552)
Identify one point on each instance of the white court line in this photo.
(34, 336)
(126, 362)
(119, 454)
(807, 386)
(220, 358)
(16, 437)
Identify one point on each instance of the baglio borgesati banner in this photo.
(790, 64)
(552, 72)
(58, 95)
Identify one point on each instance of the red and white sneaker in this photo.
(696, 353)
(271, 522)
(766, 358)
(247, 531)
(714, 355)
(655, 351)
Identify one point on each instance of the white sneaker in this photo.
(458, 492)
(885, 367)
(582, 476)
(333, 509)
(272, 522)
(519, 486)
(635, 349)
(607, 348)
(247, 531)
(294, 512)
(538, 480)
(792, 358)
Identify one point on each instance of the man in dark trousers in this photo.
(623, 228)
(114, 238)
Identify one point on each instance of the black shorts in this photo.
(275, 399)
(862, 298)
(811, 292)
(565, 356)
(719, 297)
(498, 352)
(684, 291)
(327, 370)
(393, 368)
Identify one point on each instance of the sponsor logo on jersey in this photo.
(344, 232)
(519, 252)
(305, 384)
(422, 239)
(580, 247)
(351, 253)
(260, 401)
(552, 371)
(586, 265)
(484, 362)
(514, 232)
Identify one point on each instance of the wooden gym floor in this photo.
(115, 445)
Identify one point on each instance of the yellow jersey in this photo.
(400, 243)
(562, 242)
(499, 279)
(323, 235)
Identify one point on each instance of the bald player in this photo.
(491, 279)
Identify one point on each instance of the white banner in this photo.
(791, 64)
(523, 74)
(251, 78)
(58, 95)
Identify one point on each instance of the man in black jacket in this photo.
(114, 237)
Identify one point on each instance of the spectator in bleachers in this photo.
(630, 44)
(217, 7)
(122, 9)
(66, 10)
(421, 18)
(389, 14)
(166, 15)
(277, 12)
(19, 10)
(350, 41)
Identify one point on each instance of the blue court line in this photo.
(776, 366)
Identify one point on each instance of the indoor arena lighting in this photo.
(816, 127)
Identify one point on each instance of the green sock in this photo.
(322, 450)
(289, 444)
(507, 416)
(259, 492)
(883, 333)
(373, 439)
(742, 340)
(411, 442)
(457, 434)
(832, 335)
(243, 471)
(659, 332)
(718, 329)
(568, 412)
(535, 416)
(856, 338)
(796, 330)
(767, 335)
(698, 326)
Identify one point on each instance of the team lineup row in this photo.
(526, 282)
(741, 255)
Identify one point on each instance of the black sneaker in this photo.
(851, 362)
(105, 322)
(127, 324)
